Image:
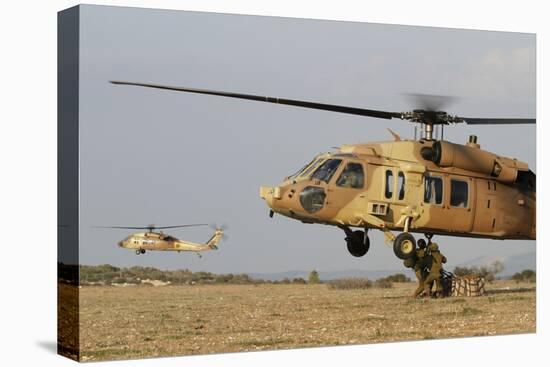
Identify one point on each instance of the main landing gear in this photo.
(404, 245)
(140, 251)
(358, 242)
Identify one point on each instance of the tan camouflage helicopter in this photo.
(159, 241)
(424, 186)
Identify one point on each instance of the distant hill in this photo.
(512, 263)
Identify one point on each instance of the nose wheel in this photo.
(140, 251)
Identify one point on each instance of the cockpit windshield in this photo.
(311, 167)
(326, 170)
(300, 170)
(307, 169)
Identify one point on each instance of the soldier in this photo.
(411, 263)
(419, 262)
(438, 259)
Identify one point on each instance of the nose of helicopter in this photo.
(269, 194)
(286, 200)
(278, 201)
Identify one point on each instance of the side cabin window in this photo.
(352, 176)
(433, 190)
(400, 185)
(326, 170)
(388, 192)
(459, 194)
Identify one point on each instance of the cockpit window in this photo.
(326, 170)
(352, 176)
(311, 167)
(301, 170)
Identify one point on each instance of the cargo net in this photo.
(462, 286)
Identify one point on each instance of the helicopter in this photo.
(425, 186)
(159, 241)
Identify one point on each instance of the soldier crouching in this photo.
(434, 276)
(420, 262)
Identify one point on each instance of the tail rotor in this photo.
(220, 228)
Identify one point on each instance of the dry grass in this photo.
(134, 322)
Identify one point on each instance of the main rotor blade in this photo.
(120, 227)
(153, 227)
(284, 101)
(497, 121)
(183, 225)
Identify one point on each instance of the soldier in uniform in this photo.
(438, 259)
(411, 263)
(420, 262)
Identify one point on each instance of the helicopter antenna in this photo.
(428, 115)
(395, 135)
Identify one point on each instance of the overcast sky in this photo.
(152, 156)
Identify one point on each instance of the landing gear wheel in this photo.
(404, 246)
(358, 243)
(138, 252)
(142, 251)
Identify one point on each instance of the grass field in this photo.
(146, 321)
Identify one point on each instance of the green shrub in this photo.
(396, 278)
(383, 283)
(118, 281)
(528, 275)
(314, 277)
(489, 272)
(350, 283)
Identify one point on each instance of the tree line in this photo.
(108, 274)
